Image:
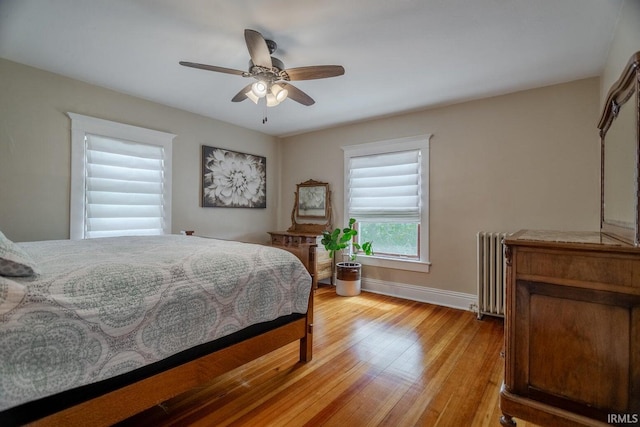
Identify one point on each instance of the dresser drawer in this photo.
(289, 240)
(278, 239)
(584, 267)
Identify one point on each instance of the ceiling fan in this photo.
(270, 74)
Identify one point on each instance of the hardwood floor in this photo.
(378, 361)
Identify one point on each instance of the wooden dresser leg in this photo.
(507, 421)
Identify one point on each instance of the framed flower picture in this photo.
(233, 180)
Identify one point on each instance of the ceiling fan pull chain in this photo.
(264, 119)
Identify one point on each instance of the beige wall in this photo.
(626, 42)
(524, 160)
(35, 141)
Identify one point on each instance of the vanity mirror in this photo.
(312, 202)
(620, 144)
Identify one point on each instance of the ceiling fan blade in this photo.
(213, 68)
(298, 95)
(258, 49)
(315, 72)
(240, 96)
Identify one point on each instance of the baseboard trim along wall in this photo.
(451, 299)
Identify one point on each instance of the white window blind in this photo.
(124, 188)
(120, 179)
(385, 187)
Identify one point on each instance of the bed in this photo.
(94, 331)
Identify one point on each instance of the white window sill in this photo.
(395, 263)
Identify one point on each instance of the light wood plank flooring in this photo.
(378, 361)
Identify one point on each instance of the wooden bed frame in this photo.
(132, 399)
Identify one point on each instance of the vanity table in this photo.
(572, 317)
(312, 202)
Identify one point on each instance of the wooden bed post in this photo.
(305, 252)
(306, 343)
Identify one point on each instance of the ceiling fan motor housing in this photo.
(273, 74)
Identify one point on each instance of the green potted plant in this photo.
(348, 272)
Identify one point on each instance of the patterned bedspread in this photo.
(102, 307)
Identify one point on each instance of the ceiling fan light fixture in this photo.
(272, 101)
(252, 96)
(279, 92)
(259, 88)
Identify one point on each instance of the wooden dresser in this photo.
(319, 265)
(572, 329)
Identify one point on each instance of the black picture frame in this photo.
(231, 179)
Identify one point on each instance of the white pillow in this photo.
(14, 261)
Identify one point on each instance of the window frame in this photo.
(82, 125)
(419, 142)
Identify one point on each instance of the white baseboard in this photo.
(452, 299)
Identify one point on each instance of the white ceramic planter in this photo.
(348, 278)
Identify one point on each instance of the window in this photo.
(120, 179)
(386, 191)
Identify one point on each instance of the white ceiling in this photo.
(399, 55)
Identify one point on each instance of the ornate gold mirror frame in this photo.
(620, 156)
(312, 201)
